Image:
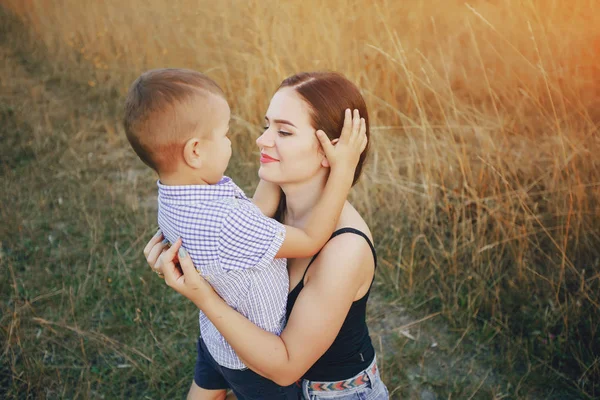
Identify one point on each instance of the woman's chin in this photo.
(268, 176)
(262, 174)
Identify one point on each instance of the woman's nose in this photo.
(266, 139)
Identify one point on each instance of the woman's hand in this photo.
(181, 275)
(154, 249)
(343, 154)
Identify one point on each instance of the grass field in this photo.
(482, 189)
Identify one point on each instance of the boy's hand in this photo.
(344, 154)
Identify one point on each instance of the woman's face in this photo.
(290, 150)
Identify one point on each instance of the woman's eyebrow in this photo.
(281, 121)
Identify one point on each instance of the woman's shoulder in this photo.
(349, 248)
(350, 218)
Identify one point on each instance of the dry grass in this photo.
(483, 184)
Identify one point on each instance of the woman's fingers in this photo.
(155, 253)
(167, 263)
(185, 279)
(170, 254)
(187, 266)
(155, 239)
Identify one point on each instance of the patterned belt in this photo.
(342, 385)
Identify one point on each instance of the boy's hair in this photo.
(155, 120)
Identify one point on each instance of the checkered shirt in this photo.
(233, 246)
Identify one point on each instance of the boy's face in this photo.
(215, 142)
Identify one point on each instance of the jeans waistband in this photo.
(356, 381)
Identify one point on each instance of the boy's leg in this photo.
(209, 383)
(197, 393)
(231, 396)
(248, 385)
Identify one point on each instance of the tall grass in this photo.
(483, 186)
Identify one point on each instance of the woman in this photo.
(325, 345)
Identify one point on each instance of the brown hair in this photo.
(155, 126)
(328, 95)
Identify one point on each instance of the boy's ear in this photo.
(193, 153)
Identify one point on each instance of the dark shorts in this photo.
(246, 384)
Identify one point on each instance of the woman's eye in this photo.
(265, 128)
(284, 133)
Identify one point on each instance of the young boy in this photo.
(177, 122)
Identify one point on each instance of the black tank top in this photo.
(352, 350)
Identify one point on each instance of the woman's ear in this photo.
(192, 153)
(325, 161)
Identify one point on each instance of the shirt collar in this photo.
(189, 194)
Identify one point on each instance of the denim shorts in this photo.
(246, 384)
(369, 387)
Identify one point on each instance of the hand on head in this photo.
(344, 153)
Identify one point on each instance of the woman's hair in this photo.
(328, 95)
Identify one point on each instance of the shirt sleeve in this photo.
(249, 239)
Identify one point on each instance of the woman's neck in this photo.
(301, 198)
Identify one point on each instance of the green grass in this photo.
(82, 316)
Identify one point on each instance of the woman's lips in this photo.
(265, 159)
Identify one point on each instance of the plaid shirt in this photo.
(233, 246)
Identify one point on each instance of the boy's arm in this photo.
(306, 242)
(323, 219)
(266, 197)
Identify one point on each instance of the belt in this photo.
(358, 380)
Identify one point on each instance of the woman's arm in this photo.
(316, 319)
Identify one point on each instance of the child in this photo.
(177, 122)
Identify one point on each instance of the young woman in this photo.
(325, 346)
